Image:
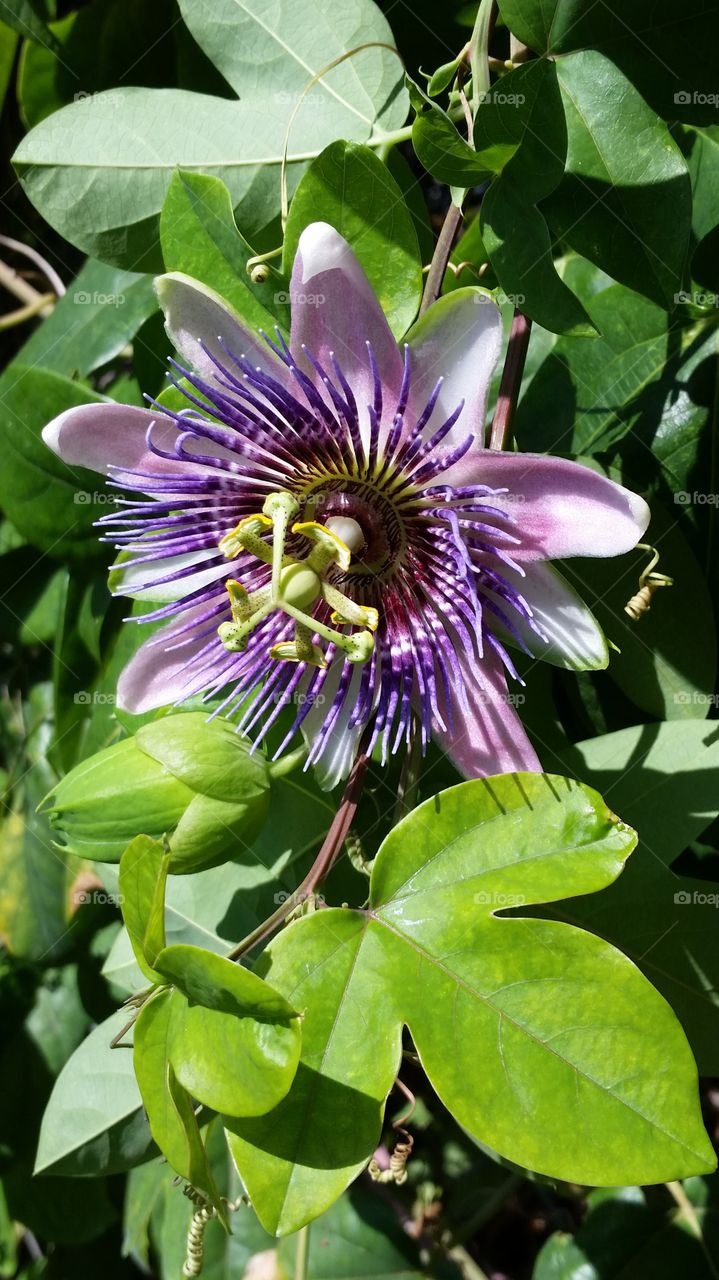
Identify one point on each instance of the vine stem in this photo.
(303, 1253)
(325, 860)
(511, 381)
(440, 257)
(20, 289)
(685, 1207)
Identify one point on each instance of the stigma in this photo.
(296, 586)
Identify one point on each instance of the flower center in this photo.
(296, 586)
(339, 501)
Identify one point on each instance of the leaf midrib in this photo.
(294, 56)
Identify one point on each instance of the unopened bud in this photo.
(183, 776)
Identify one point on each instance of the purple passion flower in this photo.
(321, 526)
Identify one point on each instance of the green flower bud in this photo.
(183, 776)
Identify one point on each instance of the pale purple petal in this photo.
(458, 340)
(147, 580)
(570, 634)
(164, 669)
(335, 311)
(202, 325)
(487, 736)
(100, 436)
(561, 508)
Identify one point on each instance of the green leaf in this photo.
(98, 170)
(625, 198)
(442, 78)
(359, 1237)
(34, 886)
(296, 1161)
(233, 1042)
(29, 18)
(51, 503)
(439, 145)
(169, 1108)
(667, 925)
(156, 1210)
(8, 45)
(349, 187)
(662, 777)
(199, 236)
(628, 1233)
(514, 229)
(665, 49)
(544, 1042)
(143, 876)
(703, 164)
(585, 395)
(98, 47)
(94, 1123)
(100, 313)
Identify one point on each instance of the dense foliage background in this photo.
(591, 203)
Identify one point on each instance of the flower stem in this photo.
(325, 860)
(511, 381)
(440, 257)
(302, 1254)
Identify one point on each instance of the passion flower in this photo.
(324, 527)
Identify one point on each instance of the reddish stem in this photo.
(511, 381)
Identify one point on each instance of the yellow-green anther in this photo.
(246, 537)
(235, 635)
(240, 603)
(299, 651)
(347, 612)
(328, 548)
(354, 651)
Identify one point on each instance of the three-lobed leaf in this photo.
(543, 1041)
